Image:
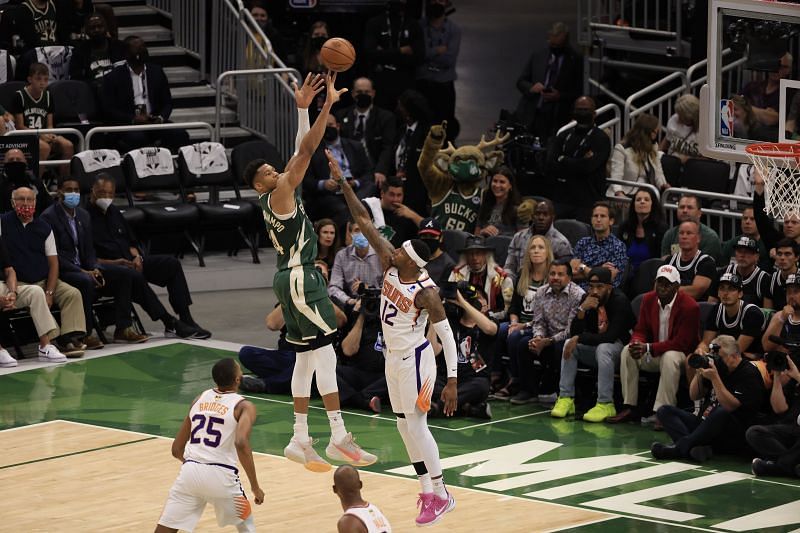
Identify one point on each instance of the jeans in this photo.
(604, 357)
(780, 442)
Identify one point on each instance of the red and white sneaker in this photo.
(348, 451)
(434, 508)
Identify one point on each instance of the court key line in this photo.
(79, 452)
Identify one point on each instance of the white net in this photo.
(779, 166)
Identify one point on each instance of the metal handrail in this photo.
(146, 127)
(629, 107)
(37, 132)
(629, 29)
(724, 221)
(626, 183)
(616, 121)
(614, 96)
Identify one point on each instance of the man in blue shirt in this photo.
(602, 248)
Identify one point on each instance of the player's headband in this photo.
(413, 254)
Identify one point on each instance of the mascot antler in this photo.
(498, 140)
(450, 150)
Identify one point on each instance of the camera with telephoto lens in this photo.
(370, 300)
(698, 360)
(778, 361)
(468, 292)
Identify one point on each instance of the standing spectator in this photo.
(696, 269)
(636, 158)
(690, 208)
(643, 229)
(664, 333)
(732, 391)
(355, 264)
(15, 174)
(498, 211)
(598, 333)
(328, 244)
(681, 135)
(414, 114)
(602, 248)
(749, 228)
(437, 74)
(478, 267)
(372, 126)
(755, 282)
(96, 56)
(36, 22)
(394, 47)
(440, 264)
(138, 93)
(577, 160)
(400, 222)
(787, 254)
(542, 224)
(33, 109)
(550, 83)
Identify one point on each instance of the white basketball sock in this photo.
(438, 487)
(301, 427)
(338, 431)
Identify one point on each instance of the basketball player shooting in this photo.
(301, 289)
(408, 298)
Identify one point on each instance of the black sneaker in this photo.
(180, 329)
(701, 454)
(659, 450)
(482, 411)
(762, 467)
(252, 384)
(201, 332)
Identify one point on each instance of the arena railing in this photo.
(697, 74)
(721, 212)
(188, 25)
(150, 127)
(72, 132)
(662, 105)
(614, 123)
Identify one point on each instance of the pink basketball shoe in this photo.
(433, 508)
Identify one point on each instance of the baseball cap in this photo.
(600, 274)
(733, 279)
(747, 242)
(669, 273)
(430, 227)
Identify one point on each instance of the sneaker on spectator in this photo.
(763, 467)
(547, 399)
(6, 361)
(375, 404)
(92, 342)
(523, 397)
(701, 454)
(563, 407)
(252, 384)
(600, 412)
(179, 328)
(481, 410)
(349, 452)
(200, 332)
(72, 349)
(129, 336)
(50, 354)
(649, 420)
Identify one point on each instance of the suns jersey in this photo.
(372, 517)
(402, 321)
(213, 428)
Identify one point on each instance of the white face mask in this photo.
(104, 203)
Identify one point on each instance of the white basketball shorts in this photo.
(410, 378)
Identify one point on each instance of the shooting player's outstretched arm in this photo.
(381, 246)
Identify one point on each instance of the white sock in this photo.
(338, 431)
(301, 427)
(438, 487)
(426, 483)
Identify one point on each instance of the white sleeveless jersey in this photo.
(372, 517)
(213, 429)
(402, 321)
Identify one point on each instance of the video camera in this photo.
(698, 360)
(468, 291)
(778, 361)
(370, 300)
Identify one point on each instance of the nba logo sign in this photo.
(726, 118)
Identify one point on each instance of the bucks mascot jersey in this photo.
(457, 211)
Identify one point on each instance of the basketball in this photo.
(338, 54)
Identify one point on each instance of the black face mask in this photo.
(16, 171)
(363, 100)
(435, 11)
(317, 42)
(583, 117)
(433, 244)
(331, 134)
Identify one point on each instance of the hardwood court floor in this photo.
(66, 466)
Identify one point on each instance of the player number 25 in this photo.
(208, 423)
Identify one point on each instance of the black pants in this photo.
(167, 271)
(539, 373)
(719, 429)
(117, 285)
(472, 389)
(357, 386)
(779, 442)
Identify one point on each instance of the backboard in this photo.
(753, 51)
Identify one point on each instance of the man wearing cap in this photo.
(602, 248)
(755, 282)
(696, 269)
(749, 229)
(665, 332)
(541, 224)
(691, 208)
(786, 322)
(440, 264)
(479, 268)
(787, 253)
(598, 333)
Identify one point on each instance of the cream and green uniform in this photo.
(298, 285)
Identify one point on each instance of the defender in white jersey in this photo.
(212, 437)
(359, 516)
(408, 299)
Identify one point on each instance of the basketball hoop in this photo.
(779, 166)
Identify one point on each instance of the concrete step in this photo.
(148, 33)
(133, 11)
(202, 114)
(162, 51)
(182, 75)
(193, 91)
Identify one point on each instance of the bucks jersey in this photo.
(456, 211)
(44, 22)
(34, 110)
(213, 428)
(292, 235)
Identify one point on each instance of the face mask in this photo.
(359, 241)
(25, 212)
(16, 172)
(583, 117)
(363, 101)
(72, 199)
(104, 203)
(464, 171)
(435, 11)
(433, 244)
(317, 42)
(331, 134)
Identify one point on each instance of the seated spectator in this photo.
(532, 275)
(396, 221)
(328, 244)
(655, 348)
(731, 390)
(778, 445)
(37, 23)
(542, 224)
(498, 211)
(478, 267)
(440, 265)
(117, 250)
(355, 264)
(643, 229)
(138, 93)
(473, 332)
(680, 139)
(32, 253)
(764, 95)
(787, 254)
(577, 160)
(636, 158)
(15, 174)
(755, 282)
(15, 296)
(597, 334)
(96, 56)
(690, 208)
(785, 322)
(33, 109)
(371, 125)
(748, 229)
(603, 248)
(360, 372)
(696, 269)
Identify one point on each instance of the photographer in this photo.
(471, 329)
(732, 391)
(360, 372)
(786, 322)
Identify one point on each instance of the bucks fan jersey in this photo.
(293, 237)
(34, 111)
(456, 211)
(44, 22)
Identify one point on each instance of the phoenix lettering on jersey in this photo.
(461, 210)
(274, 222)
(213, 407)
(403, 303)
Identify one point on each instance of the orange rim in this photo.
(774, 149)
